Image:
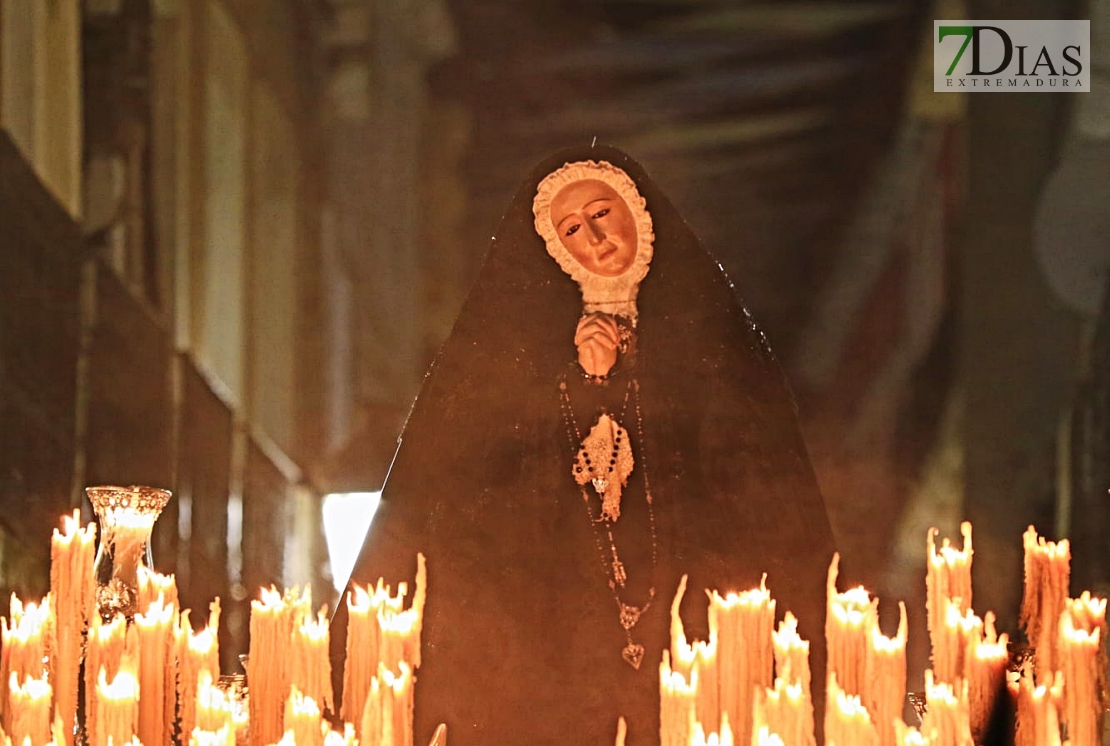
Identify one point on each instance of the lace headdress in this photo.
(613, 295)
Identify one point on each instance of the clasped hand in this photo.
(597, 339)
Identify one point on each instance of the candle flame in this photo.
(32, 690)
(159, 613)
(753, 597)
(28, 622)
(124, 687)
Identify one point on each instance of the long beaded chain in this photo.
(611, 565)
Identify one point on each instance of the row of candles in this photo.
(750, 684)
(149, 678)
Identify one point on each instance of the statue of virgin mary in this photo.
(604, 418)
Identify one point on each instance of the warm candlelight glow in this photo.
(907, 735)
(309, 664)
(155, 634)
(117, 708)
(127, 516)
(622, 731)
(148, 674)
(1080, 662)
(723, 737)
(153, 585)
(73, 590)
(22, 649)
(846, 719)
(791, 652)
(271, 625)
(30, 710)
(849, 619)
(362, 651)
(744, 623)
(951, 642)
(947, 720)
(947, 583)
(885, 678)
(1038, 716)
(676, 710)
(986, 662)
(785, 711)
(1047, 572)
(214, 707)
(198, 653)
(223, 737)
(303, 720)
(380, 634)
(387, 717)
(104, 651)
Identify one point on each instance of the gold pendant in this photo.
(633, 655)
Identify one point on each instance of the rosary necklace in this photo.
(604, 460)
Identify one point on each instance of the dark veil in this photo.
(521, 639)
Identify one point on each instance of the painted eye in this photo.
(572, 230)
(601, 213)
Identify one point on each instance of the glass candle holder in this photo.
(126, 516)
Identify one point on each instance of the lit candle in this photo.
(677, 696)
(223, 737)
(398, 702)
(198, 653)
(362, 651)
(907, 735)
(155, 634)
(846, 719)
(117, 707)
(986, 661)
(271, 625)
(370, 723)
(104, 651)
(397, 629)
(952, 641)
(947, 720)
(72, 587)
(153, 585)
(30, 710)
(309, 665)
(420, 595)
(699, 655)
(849, 619)
(791, 653)
(303, 720)
(213, 706)
(22, 647)
(1047, 572)
(379, 632)
(885, 678)
(1080, 662)
(744, 623)
(346, 737)
(723, 737)
(622, 731)
(387, 717)
(948, 580)
(764, 737)
(1038, 717)
(785, 711)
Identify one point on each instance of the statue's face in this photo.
(596, 227)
